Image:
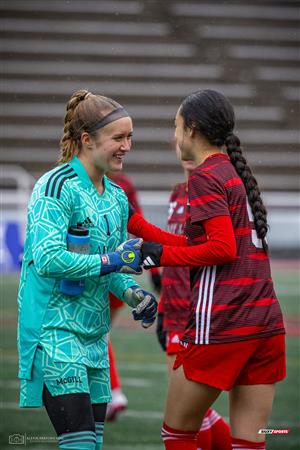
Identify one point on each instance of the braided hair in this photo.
(83, 110)
(212, 115)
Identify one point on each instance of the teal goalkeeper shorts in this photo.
(63, 378)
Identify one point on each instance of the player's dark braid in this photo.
(83, 110)
(258, 209)
(68, 143)
(212, 115)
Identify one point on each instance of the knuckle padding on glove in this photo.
(142, 305)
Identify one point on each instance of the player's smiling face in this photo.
(111, 144)
(183, 138)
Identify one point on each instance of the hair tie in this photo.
(232, 138)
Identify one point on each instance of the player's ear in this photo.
(85, 139)
(191, 131)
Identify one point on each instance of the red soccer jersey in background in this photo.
(236, 300)
(128, 187)
(175, 294)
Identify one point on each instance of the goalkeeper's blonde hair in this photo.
(82, 111)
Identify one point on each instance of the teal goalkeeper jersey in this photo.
(70, 328)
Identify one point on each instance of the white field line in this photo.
(135, 382)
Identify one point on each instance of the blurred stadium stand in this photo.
(148, 55)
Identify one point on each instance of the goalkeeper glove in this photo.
(160, 332)
(144, 303)
(125, 259)
(151, 253)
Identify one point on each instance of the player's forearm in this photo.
(208, 254)
(140, 227)
(219, 248)
(53, 262)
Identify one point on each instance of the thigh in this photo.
(187, 401)
(99, 411)
(99, 385)
(170, 362)
(250, 409)
(69, 412)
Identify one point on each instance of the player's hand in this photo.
(125, 259)
(160, 332)
(151, 253)
(146, 309)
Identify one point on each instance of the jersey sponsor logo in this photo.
(68, 380)
(86, 223)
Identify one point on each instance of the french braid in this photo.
(69, 142)
(233, 148)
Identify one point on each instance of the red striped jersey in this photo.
(236, 300)
(122, 180)
(175, 294)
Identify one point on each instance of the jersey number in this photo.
(256, 241)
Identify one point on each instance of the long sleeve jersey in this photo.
(70, 328)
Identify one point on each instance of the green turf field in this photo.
(143, 371)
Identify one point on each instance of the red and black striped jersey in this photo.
(175, 294)
(122, 180)
(236, 300)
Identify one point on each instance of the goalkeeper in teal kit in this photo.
(62, 332)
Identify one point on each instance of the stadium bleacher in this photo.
(149, 55)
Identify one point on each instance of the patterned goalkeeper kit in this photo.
(58, 332)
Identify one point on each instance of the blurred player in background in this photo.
(63, 295)
(119, 401)
(173, 314)
(234, 339)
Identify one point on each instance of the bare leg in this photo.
(170, 362)
(187, 402)
(250, 408)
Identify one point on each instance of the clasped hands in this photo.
(130, 257)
